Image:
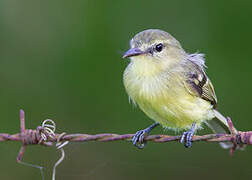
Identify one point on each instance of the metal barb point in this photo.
(24, 143)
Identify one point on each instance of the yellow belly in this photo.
(176, 113)
(171, 106)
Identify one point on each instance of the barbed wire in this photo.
(45, 135)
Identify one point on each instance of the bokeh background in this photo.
(62, 60)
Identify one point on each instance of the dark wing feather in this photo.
(198, 84)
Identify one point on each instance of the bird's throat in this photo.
(145, 67)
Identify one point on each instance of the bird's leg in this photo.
(187, 136)
(138, 138)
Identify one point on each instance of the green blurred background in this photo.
(62, 60)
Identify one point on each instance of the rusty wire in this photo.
(45, 135)
(41, 137)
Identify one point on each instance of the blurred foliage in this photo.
(62, 60)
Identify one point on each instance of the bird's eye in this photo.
(159, 47)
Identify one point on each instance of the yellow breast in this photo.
(162, 96)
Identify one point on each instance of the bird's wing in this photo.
(198, 84)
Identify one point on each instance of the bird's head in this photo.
(154, 45)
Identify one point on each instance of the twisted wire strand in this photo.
(245, 137)
(48, 131)
(59, 146)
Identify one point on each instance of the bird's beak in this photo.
(133, 52)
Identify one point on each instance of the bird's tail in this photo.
(220, 125)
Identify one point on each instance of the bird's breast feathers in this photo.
(163, 97)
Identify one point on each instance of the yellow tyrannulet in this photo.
(170, 86)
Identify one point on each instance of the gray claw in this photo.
(187, 137)
(182, 140)
(189, 140)
(138, 139)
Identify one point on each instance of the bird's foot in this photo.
(186, 138)
(138, 138)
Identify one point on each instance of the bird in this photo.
(171, 87)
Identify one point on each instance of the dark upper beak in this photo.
(133, 52)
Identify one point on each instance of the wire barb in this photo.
(27, 137)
